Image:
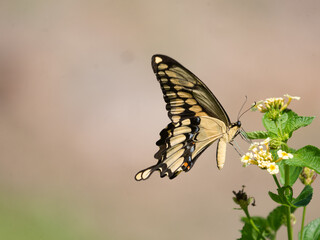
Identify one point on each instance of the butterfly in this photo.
(197, 120)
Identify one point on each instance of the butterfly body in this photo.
(197, 120)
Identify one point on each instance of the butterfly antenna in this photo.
(242, 107)
(245, 110)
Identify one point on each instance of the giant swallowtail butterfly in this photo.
(197, 120)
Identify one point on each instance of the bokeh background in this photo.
(81, 110)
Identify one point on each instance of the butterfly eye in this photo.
(238, 123)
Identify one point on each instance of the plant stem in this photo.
(288, 212)
(251, 221)
(276, 180)
(302, 223)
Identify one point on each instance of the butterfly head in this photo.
(236, 124)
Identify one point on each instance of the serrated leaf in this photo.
(257, 135)
(270, 125)
(311, 231)
(294, 173)
(276, 218)
(282, 120)
(295, 122)
(308, 156)
(304, 197)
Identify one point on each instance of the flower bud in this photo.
(242, 199)
(307, 176)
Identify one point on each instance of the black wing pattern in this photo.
(197, 119)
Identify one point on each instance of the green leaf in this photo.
(308, 156)
(286, 124)
(294, 173)
(295, 122)
(283, 198)
(311, 231)
(257, 135)
(276, 218)
(249, 233)
(282, 121)
(275, 128)
(304, 197)
(276, 198)
(270, 126)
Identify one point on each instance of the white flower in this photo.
(273, 168)
(284, 155)
(292, 97)
(261, 108)
(263, 164)
(253, 145)
(266, 141)
(246, 158)
(255, 150)
(263, 153)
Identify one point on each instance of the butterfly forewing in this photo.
(185, 94)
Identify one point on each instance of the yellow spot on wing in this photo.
(170, 94)
(162, 66)
(181, 130)
(178, 88)
(176, 102)
(166, 87)
(184, 95)
(164, 80)
(170, 73)
(176, 118)
(158, 59)
(177, 110)
(191, 101)
(186, 122)
(195, 108)
(199, 114)
(177, 139)
(181, 82)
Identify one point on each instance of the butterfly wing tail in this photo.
(144, 174)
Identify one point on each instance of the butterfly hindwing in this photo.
(181, 144)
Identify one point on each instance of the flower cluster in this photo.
(261, 156)
(274, 104)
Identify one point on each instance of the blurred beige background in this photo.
(81, 111)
